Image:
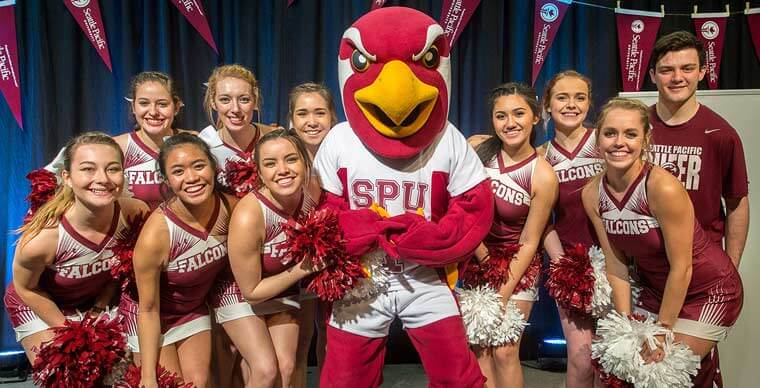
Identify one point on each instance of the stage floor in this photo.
(412, 376)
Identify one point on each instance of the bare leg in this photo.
(578, 333)
(506, 359)
(283, 328)
(195, 358)
(305, 334)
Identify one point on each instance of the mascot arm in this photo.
(363, 229)
(455, 236)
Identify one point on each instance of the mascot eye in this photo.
(431, 58)
(359, 62)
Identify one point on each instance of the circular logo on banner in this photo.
(710, 30)
(549, 12)
(80, 3)
(637, 26)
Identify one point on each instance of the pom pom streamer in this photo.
(318, 239)
(43, 186)
(601, 301)
(618, 347)
(122, 269)
(488, 322)
(571, 280)
(241, 176)
(165, 379)
(81, 353)
(494, 271)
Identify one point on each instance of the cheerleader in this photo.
(573, 155)
(232, 97)
(62, 262)
(525, 189)
(181, 250)
(311, 112)
(257, 251)
(641, 211)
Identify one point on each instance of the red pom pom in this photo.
(495, 270)
(122, 269)
(319, 240)
(241, 176)
(81, 353)
(166, 379)
(43, 185)
(609, 380)
(571, 280)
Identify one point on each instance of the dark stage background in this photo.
(66, 88)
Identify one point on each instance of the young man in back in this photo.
(702, 150)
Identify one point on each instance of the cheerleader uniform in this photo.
(76, 277)
(511, 187)
(273, 251)
(573, 170)
(196, 257)
(226, 299)
(714, 296)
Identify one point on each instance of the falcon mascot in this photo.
(405, 182)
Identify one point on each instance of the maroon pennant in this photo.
(637, 31)
(290, 2)
(454, 17)
(87, 15)
(753, 19)
(10, 84)
(547, 18)
(710, 29)
(193, 12)
(377, 4)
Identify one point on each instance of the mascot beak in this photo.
(397, 104)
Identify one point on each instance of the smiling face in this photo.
(96, 175)
(622, 138)
(282, 168)
(312, 119)
(190, 174)
(677, 75)
(234, 102)
(154, 108)
(569, 103)
(513, 120)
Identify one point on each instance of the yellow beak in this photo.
(397, 103)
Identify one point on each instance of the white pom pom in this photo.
(511, 327)
(482, 313)
(618, 347)
(487, 320)
(375, 284)
(601, 301)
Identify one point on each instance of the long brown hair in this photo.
(489, 148)
(50, 213)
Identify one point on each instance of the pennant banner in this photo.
(637, 31)
(193, 12)
(87, 15)
(290, 2)
(753, 19)
(710, 29)
(547, 18)
(377, 4)
(9, 77)
(454, 17)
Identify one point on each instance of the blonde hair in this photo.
(50, 213)
(229, 71)
(628, 104)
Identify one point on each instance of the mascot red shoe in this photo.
(404, 181)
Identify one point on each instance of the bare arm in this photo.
(672, 208)
(545, 188)
(150, 256)
(737, 226)
(552, 244)
(615, 261)
(245, 241)
(29, 262)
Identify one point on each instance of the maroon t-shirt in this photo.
(706, 155)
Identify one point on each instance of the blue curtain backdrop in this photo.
(66, 88)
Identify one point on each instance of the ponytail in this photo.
(48, 215)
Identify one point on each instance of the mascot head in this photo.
(395, 79)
